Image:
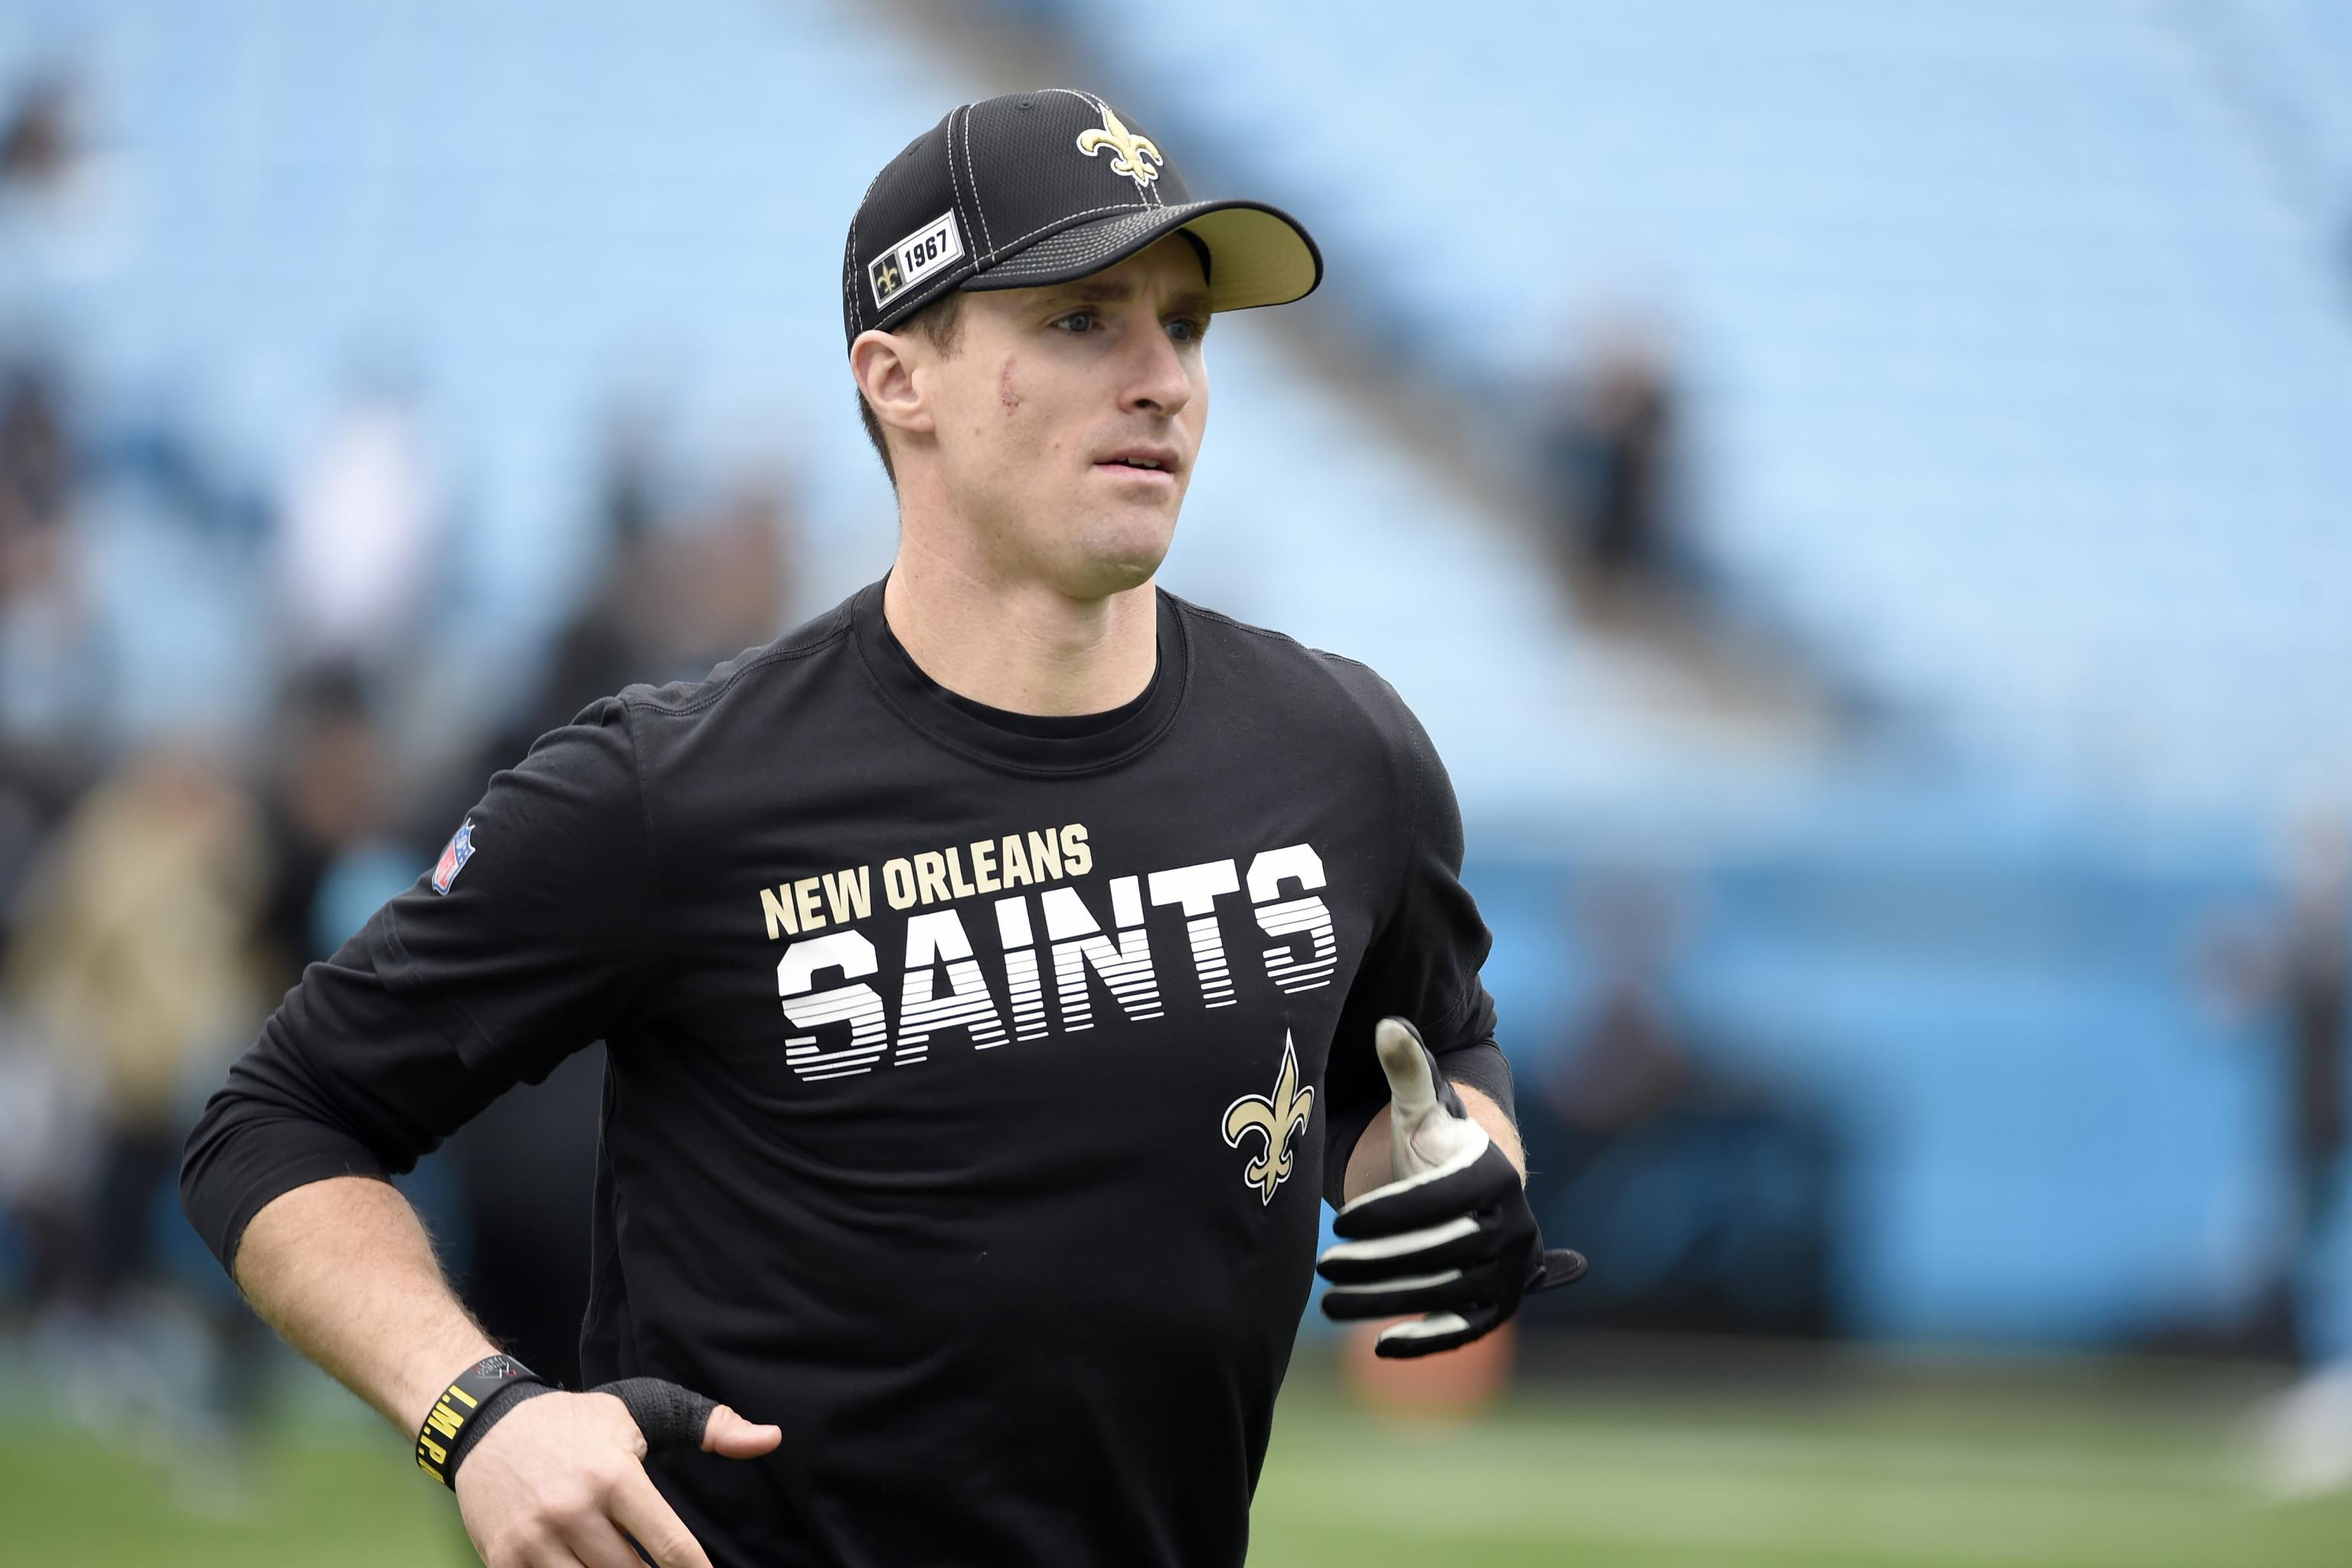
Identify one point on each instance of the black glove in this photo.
(1451, 1236)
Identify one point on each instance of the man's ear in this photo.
(884, 372)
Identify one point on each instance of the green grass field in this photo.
(2072, 1470)
(1915, 1479)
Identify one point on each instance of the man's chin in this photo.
(1101, 577)
(1121, 553)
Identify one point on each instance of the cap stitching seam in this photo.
(955, 186)
(850, 269)
(971, 178)
(1069, 219)
(849, 276)
(1016, 267)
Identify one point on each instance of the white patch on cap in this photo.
(926, 250)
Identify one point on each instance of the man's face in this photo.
(1067, 419)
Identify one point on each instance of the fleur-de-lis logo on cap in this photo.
(1280, 1121)
(1129, 151)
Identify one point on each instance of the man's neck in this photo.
(1021, 646)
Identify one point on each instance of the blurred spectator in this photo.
(682, 592)
(56, 663)
(2307, 1432)
(64, 207)
(46, 1159)
(36, 456)
(135, 964)
(40, 139)
(628, 485)
(1713, 1199)
(730, 577)
(1630, 1061)
(1612, 454)
(2294, 974)
(326, 801)
(616, 637)
(1615, 479)
(361, 522)
(2312, 994)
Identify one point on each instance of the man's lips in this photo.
(1137, 476)
(1140, 460)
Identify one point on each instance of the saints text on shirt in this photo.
(981, 970)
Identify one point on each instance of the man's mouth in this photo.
(1151, 459)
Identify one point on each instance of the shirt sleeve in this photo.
(1424, 960)
(538, 946)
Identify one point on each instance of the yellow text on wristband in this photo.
(437, 1440)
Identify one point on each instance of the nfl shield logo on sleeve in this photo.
(452, 859)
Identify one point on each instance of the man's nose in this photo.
(1160, 382)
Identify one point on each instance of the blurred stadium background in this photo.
(1860, 493)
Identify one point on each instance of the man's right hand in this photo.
(556, 1482)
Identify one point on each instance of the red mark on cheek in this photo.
(1005, 394)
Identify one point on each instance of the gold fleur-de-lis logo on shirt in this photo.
(1280, 1121)
(1129, 151)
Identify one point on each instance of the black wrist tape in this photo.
(669, 1416)
(471, 1406)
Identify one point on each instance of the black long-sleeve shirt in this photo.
(949, 1118)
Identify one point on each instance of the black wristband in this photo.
(469, 1407)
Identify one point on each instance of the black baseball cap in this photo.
(1041, 187)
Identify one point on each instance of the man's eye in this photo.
(1085, 320)
(1186, 329)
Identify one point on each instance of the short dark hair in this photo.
(940, 324)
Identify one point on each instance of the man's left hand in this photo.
(1451, 1235)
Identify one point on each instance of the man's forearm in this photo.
(343, 1269)
(1367, 1167)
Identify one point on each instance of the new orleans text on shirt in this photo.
(944, 984)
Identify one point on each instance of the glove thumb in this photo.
(1428, 1127)
(1411, 1071)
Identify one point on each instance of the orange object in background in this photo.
(1449, 1386)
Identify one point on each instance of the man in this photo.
(976, 964)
